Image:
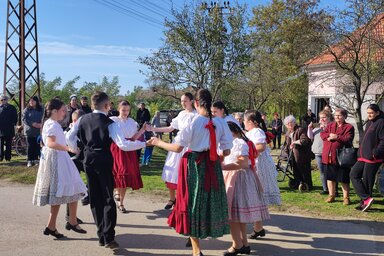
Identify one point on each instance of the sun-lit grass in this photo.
(309, 203)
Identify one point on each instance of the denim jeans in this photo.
(323, 176)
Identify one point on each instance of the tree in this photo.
(286, 34)
(358, 55)
(200, 50)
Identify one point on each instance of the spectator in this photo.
(8, 120)
(308, 118)
(298, 141)
(240, 118)
(32, 118)
(156, 123)
(84, 105)
(112, 110)
(317, 146)
(337, 135)
(265, 119)
(371, 156)
(142, 115)
(71, 107)
(277, 130)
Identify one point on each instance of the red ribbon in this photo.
(252, 153)
(212, 141)
(210, 179)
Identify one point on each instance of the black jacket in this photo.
(372, 143)
(8, 120)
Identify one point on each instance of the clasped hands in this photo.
(332, 137)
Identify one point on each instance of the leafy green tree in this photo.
(201, 50)
(286, 34)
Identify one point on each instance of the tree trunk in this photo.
(359, 122)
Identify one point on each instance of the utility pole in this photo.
(21, 62)
(217, 11)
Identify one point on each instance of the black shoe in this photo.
(189, 243)
(54, 233)
(112, 245)
(84, 202)
(234, 253)
(255, 234)
(170, 204)
(245, 250)
(75, 228)
(324, 192)
(101, 243)
(79, 221)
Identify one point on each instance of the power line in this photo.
(118, 7)
(153, 10)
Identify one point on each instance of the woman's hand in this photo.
(154, 141)
(74, 151)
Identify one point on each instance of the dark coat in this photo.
(8, 120)
(346, 133)
(142, 116)
(277, 126)
(302, 153)
(372, 143)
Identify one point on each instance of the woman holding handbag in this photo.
(371, 156)
(337, 135)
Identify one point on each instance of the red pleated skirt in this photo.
(126, 170)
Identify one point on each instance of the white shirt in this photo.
(129, 127)
(183, 119)
(232, 119)
(240, 148)
(257, 136)
(115, 133)
(196, 137)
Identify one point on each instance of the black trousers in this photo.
(103, 206)
(363, 178)
(302, 173)
(33, 150)
(5, 142)
(278, 138)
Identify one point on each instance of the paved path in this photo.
(143, 231)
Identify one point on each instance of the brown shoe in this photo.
(330, 199)
(346, 201)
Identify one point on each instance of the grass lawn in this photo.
(309, 204)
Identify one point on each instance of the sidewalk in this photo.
(143, 231)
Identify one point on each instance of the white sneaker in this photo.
(36, 162)
(29, 164)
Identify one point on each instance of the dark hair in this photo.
(255, 117)
(374, 107)
(38, 105)
(54, 104)
(204, 97)
(237, 130)
(189, 95)
(220, 105)
(124, 103)
(98, 99)
(84, 98)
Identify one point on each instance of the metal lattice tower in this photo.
(21, 62)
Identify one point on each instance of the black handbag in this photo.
(346, 157)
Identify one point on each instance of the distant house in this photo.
(325, 78)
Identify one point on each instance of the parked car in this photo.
(164, 115)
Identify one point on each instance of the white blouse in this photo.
(257, 136)
(196, 137)
(52, 128)
(240, 148)
(183, 119)
(129, 127)
(232, 119)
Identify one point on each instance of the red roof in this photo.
(346, 50)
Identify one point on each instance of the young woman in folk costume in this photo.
(58, 180)
(172, 162)
(246, 202)
(265, 167)
(201, 210)
(126, 170)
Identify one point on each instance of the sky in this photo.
(91, 39)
